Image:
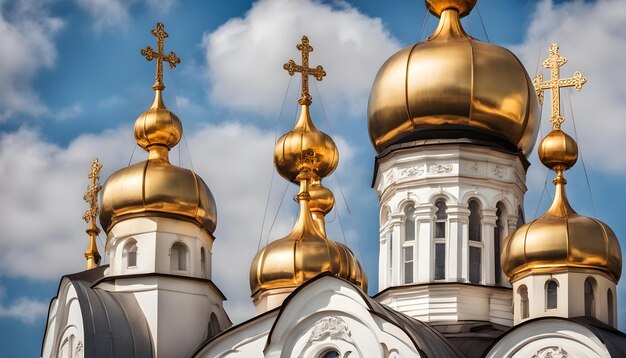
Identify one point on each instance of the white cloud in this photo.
(245, 55)
(25, 309)
(27, 47)
(69, 112)
(592, 37)
(112, 14)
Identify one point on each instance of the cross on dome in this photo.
(160, 55)
(306, 71)
(554, 62)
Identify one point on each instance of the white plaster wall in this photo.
(451, 302)
(64, 336)
(570, 296)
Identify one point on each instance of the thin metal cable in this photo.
(336, 176)
(276, 216)
(483, 23)
(358, 247)
(184, 137)
(269, 192)
(580, 151)
(132, 154)
(422, 28)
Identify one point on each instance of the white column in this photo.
(424, 218)
(488, 259)
(383, 253)
(458, 218)
(396, 249)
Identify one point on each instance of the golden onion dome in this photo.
(305, 146)
(155, 187)
(453, 86)
(561, 239)
(303, 254)
(322, 199)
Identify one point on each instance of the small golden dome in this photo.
(322, 199)
(558, 150)
(305, 146)
(453, 86)
(464, 7)
(155, 187)
(302, 255)
(561, 240)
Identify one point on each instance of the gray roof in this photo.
(114, 325)
(471, 338)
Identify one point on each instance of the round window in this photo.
(330, 354)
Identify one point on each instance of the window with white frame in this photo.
(590, 298)
(523, 296)
(129, 254)
(178, 257)
(475, 242)
(439, 239)
(498, 233)
(408, 264)
(203, 268)
(551, 294)
(409, 223)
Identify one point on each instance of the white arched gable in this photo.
(448, 197)
(331, 313)
(484, 203)
(65, 330)
(542, 337)
(410, 200)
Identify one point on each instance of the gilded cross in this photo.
(317, 72)
(554, 63)
(160, 55)
(91, 197)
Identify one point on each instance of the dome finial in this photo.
(437, 7)
(317, 72)
(91, 197)
(149, 53)
(158, 130)
(554, 63)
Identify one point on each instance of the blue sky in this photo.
(73, 83)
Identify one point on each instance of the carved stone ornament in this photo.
(441, 168)
(412, 171)
(473, 167)
(499, 171)
(551, 352)
(389, 177)
(330, 327)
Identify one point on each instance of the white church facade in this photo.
(461, 274)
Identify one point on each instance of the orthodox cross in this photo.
(554, 62)
(317, 72)
(91, 197)
(160, 55)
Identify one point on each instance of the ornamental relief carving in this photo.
(389, 176)
(441, 168)
(412, 171)
(499, 171)
(551, 352)
(330, 327)
(473, 167)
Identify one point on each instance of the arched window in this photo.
(498, 232)
(214, 326)
(330, 354)
(129, 254)
(441, 221)
(523, 296)
(609, 304)
(409, 223)
(475, 238)
(520, 217)
(590, 299)
(203, 267)
(551, 294)
(178, 257)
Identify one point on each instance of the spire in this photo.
(91, 197)
(317, 72)
(158, 130)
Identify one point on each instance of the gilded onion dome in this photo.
(305, 155)
(155, 187)
(561, 239)
(453, 86)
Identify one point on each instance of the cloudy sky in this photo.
(72, 82)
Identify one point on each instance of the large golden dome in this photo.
(453, 86)
(155, 187)
(303, 254)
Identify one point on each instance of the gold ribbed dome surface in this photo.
(453, 86)
(561, 240)
(305, 146)
(302, 255)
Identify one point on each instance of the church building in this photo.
(453, 121)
